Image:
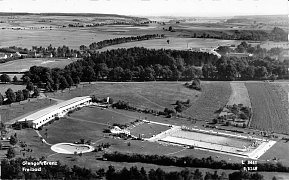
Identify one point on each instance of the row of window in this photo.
(54, 115)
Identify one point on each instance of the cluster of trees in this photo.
(196, 84)
(18, 96)
(182, 105)
(277, 34)
(5, 78)
(232, 68)
(189, 161)
(105, 43)
(12, 169)
(52, 79)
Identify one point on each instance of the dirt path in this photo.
(42, 138)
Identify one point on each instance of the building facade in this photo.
(45, 115)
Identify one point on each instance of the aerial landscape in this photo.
(144, 90)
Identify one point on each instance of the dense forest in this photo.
(12, 169)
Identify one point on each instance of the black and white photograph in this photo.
(144, 89)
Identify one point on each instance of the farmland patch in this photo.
(270, 107)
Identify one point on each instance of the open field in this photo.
(239, 94)
(24, 64)
(269, 107)
(214, 95)
(4, 87)
(152, 95)
(71, 37)
(17, 110)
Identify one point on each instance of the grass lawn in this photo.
(152, 95)
(239, 94)
(270, 107)
(148, 130)
(214, 95)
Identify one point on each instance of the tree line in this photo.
(120, 40)
(12, 169)
(189, 161)
(277, 34)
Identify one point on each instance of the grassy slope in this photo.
(269, 107)
(16, 110)
(153, 95)
(214, 95)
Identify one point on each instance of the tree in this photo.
(48, 87)
(69, 80)
(102, 70)
(63, 83)
(19, 96)
(36, 92)
(149, 74)
(170, 28)
(88, 74)
(198, 175)
(30, 86)
(10, 153)
(26, 93)
(116, 73)
(1, 99)
(10, 95)
(5, 78)
(13, 140)
(15, 79)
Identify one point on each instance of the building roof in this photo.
(50, 109)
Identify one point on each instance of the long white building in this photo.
(43, 116)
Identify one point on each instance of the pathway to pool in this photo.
(67, 148)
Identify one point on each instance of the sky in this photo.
(150, 7)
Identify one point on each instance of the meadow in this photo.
(270, 107)
(147, 130)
